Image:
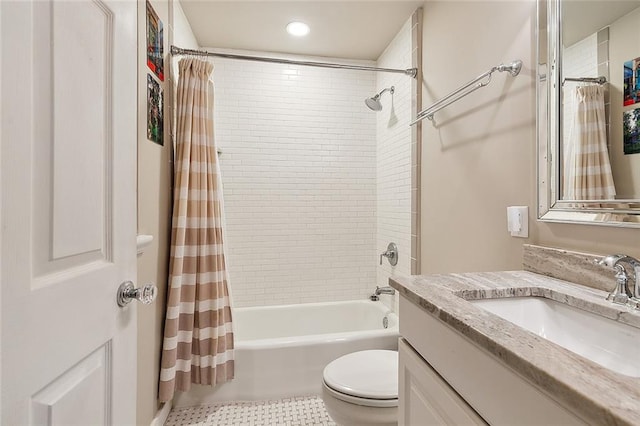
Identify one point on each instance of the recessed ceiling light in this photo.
(297, 29)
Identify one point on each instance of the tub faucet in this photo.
(382, 290)
(622, 294)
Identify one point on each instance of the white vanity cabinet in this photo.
(445, 379)
(425, 398)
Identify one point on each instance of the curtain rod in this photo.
(412, 72)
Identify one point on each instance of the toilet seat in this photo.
(368, 378)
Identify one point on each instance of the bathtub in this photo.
(282, 350)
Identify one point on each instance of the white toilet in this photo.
(361, 388)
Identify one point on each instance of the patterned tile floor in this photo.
(290, 412)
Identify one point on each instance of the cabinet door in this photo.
(425, 398)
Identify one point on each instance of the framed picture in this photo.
(631, 131)
(631, 80)
(155, 120)
(155, 59)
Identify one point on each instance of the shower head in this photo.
(373, 103)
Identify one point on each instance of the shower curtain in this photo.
(198, 337)
(587, 170)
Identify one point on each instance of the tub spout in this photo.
(382, 290)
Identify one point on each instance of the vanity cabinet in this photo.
(425, 398)
(447, 379)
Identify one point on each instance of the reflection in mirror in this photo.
(589, 111)
(595, 36)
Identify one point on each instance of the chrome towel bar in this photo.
(597, 80)
(482, 80)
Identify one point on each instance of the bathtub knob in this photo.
(391, 254)
(127, 292)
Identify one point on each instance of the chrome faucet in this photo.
(382, 290)
(622, 294)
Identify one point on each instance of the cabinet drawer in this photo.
(425, 398)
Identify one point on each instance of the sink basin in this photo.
(609, 343)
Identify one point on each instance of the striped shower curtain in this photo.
(587, 169)
(198, 337)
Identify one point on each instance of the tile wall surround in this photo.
(588, 57)
(572, 266)
(316, 184)
(394, 160)
(299, 174)
(603, 70)
(416, 141)
(578, 60)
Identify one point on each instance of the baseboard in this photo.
(161, 415)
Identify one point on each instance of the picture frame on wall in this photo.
(631, 131)
(631, 82)
(155, 43)
(155, 114)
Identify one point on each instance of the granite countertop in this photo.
(598, 394)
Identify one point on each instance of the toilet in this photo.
(361, 388)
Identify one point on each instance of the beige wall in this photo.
(154, 189)
(623, 46)
(480, 158)
(154, 205)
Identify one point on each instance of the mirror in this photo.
(588, 112)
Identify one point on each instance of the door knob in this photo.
(127, 292)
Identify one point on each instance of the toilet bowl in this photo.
(361, 388)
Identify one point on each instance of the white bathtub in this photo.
(282, 350)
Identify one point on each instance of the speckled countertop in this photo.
(598, 394)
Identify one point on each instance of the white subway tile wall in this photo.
(298, 168)
(578, 60)
(394, 159)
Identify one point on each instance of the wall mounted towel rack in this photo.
(597, 80)
(482, 80)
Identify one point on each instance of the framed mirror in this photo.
(588, 111)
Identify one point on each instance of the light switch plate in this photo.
(518, 221)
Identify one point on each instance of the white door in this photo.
(68, 214)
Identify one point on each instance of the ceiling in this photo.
(583, 18)
(355, 29)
